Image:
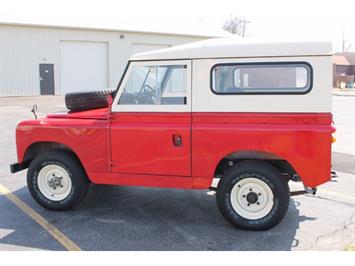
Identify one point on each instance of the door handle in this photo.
(177, 140)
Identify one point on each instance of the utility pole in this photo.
(244, 21)
(345, 44)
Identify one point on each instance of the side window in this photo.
(157, 85)
(272, 78)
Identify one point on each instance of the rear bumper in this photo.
(17, 167)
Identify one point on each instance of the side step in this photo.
(307, 190)
(334, 174)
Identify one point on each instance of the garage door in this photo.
(143, 47)
(83, 66)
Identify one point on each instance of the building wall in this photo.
(23, 48)
(343, 70)
(343, 74)
(352, 70)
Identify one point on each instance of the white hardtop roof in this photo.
(236, 47)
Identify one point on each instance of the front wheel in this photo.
(253, 195)
(56, 180)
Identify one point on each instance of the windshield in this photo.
(164, 84)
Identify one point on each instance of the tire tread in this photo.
(87, 100)
(251, 168)
(73, 164)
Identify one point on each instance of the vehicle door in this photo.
(151, 119)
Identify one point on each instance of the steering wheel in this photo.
(148, 89)
(147, 95)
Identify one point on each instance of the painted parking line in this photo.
(342, 196)
(349, 247)
(325, 192)
(59, 236)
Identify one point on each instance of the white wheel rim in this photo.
(252, 198)
(54, 182)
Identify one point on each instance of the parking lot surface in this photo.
(136, 218)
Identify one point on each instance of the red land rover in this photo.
(253, 116)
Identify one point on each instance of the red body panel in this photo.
(100, 114)
(88, 137)
(139, 149)
(142, 143)
(304, 140)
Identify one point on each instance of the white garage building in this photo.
(48, 60)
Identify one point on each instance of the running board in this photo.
(296, 193)
(334, 174)
(307, 190)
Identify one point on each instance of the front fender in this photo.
(87, 138)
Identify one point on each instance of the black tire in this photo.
(81, 101)
(264, 172)
(79, 180)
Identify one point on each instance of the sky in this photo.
(270, 20)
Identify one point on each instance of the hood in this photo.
(100, 114)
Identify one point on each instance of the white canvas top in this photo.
(236, 47)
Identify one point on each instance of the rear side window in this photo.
(261, 78)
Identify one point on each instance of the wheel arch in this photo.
(229, 160)
(37, 148)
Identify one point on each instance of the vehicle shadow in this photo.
(134, 218)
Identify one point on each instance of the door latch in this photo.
(177, 140)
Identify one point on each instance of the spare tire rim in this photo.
(54, 182)
(252, 198)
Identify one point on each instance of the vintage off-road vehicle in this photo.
(253, 116)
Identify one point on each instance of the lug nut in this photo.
(258, 203)
(250, 189)
(259, 194)
(243, 196)
(248, 204)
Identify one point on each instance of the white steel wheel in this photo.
(252, 198)
(54, 182)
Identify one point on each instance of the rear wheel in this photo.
(253, 195)
(56, 180)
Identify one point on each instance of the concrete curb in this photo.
(344, 93)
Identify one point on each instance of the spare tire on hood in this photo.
(87, 100)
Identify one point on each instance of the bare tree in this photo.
(346, 44)
(236, 25)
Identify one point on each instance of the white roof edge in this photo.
(237, 47)
(107, 29)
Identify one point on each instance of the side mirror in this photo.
(34, 110)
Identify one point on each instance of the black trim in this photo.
(121, 79)
(17, 167)
(310, 77)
